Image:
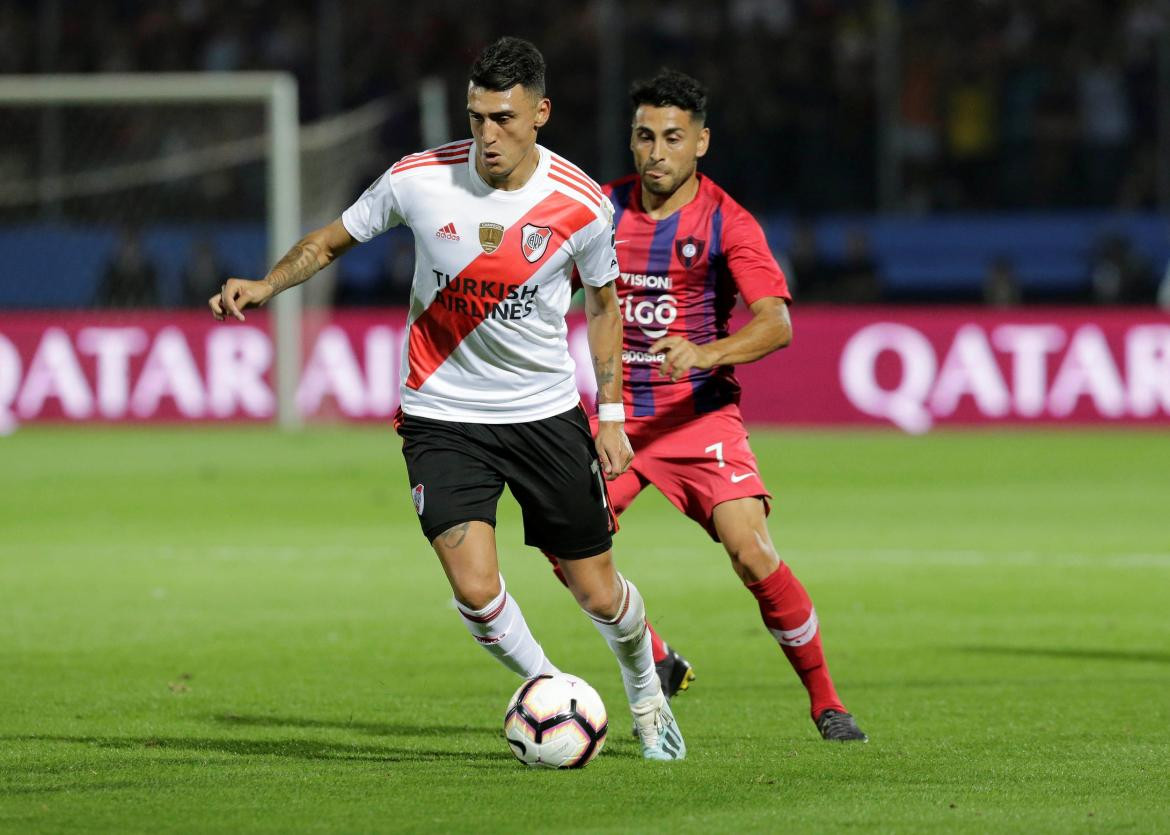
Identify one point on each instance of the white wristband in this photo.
(614, 412)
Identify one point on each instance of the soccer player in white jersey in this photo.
(488, 392)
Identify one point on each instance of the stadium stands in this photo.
(1027, 130)
(937, 257)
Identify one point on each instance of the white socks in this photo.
(629, 639)
(501, 630)
(499, 627)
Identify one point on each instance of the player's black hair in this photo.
(671, 88)
(507, 62)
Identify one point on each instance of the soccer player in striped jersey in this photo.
(489, 398)
(686, 250)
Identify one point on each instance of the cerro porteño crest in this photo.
(689, 249)
(534, 241)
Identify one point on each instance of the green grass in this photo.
(236, 630)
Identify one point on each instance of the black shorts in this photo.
(458, 471)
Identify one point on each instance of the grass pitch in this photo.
(234, 630)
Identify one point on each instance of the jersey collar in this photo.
(640, 210)
(535, 182)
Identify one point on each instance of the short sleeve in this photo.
(750, 260)
(374, 212)
(596, 259)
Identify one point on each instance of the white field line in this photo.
(944, 557)
(924, 556)
(888, 556)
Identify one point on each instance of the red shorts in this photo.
(697, 464)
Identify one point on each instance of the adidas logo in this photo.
(448, 233)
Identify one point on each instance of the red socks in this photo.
(657, 645)
(788, 613)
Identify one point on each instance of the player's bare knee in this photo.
(753, 559)
(475, 599)
(600, 601)
(476, 593)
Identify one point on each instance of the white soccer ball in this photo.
(555, 721)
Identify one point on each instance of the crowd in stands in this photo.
(1002, 104)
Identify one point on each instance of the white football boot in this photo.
(658, 729)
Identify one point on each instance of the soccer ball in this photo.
(555, 721)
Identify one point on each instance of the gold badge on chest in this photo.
(490, 236)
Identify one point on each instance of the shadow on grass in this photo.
(1072, 653)
(372, 728)
(304, 749)
(618, 750)
(70, 787)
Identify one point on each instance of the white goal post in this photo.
(277, 92)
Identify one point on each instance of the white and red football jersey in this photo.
(487, 340)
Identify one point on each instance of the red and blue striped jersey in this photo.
(680, 276)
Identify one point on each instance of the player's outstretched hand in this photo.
(613, 449)
(681, 356)
(237, 294)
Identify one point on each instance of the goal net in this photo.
(132, 198)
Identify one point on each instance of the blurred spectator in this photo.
(1105, 125)
(384, 280)
(918, 132)
(203, 274)
(1119, 275)
(776, 17)
(809, 275)
(358, 287)
(1023, 85)
(1001, 288)
(224, 49)
(129, 279)
(1164, 290)
(972, 134)
(857, 281)
(399, 269)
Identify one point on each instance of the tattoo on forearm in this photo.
(301, 262)
(453, 537)
(604, 370)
